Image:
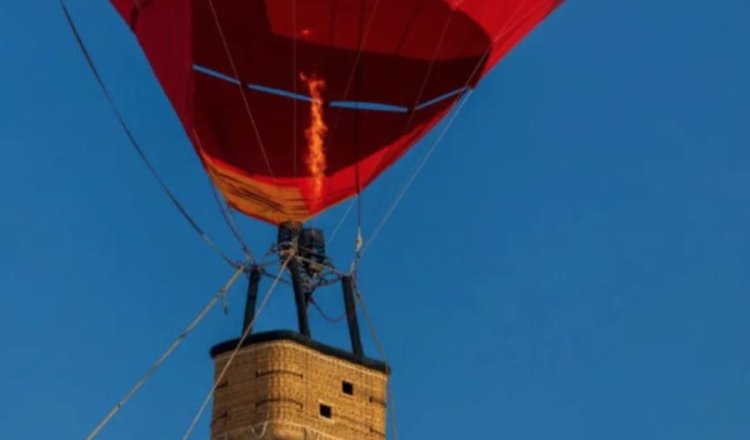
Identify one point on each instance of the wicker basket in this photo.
(282, 386)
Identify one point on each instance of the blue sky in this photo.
(572, 263)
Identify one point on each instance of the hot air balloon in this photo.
(235, 70)
(294, 106)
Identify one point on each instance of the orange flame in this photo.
(316, 133)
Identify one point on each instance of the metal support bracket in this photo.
(252, 297)
(350, 305)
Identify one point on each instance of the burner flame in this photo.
(316, 133)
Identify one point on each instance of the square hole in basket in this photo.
(347, 388)
(326, 411)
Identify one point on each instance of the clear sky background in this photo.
(573, 262)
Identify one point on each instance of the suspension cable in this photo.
(343, 218)
(426, 78)
(139, 150)
(416, 172)
(228, 215)
(431, 66)
(294, 89)
(358, 129)
(172, 347)
(449, 123)
(236, 350)
(381, 352)
(359, 241)
(225, 209)
(241, 87)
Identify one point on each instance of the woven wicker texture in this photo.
(283, 390)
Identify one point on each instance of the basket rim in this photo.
(288, 335)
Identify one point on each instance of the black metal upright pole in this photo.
(252, 298)
(299, 297)
(347, 283)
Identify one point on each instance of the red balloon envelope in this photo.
(296, 105)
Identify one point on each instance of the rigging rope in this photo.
(360, 247)
(236, 350)
(325, 316)
(241, 87)
(227, 213)
(381, 352)
(359, 240)
(139, 150)
(294, 88)
(416, 172)
(358, 128)
(440, 137)
(456, 111)
(335, 232)
(431, 66)
(176, 343)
